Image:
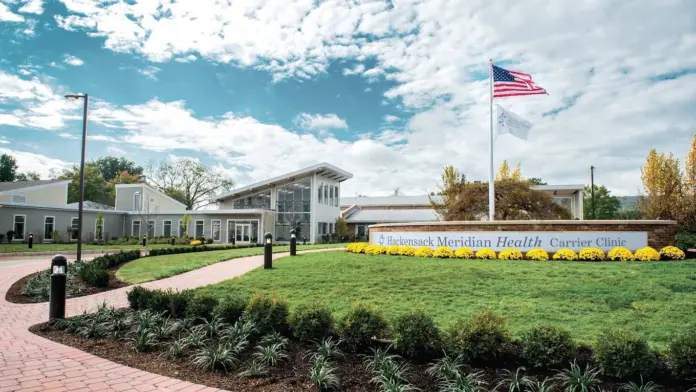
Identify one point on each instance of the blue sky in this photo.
(389, 90)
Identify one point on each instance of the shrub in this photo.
(565, 254)
(647, 254)
(464, 253)
(510, 254)
(537, 254)
(423, 251)
(443, 252)
(311, 322)
(416, 335)
(268, 313)
(393, 250)
(178, 303)
(672, 253)
(209, 241)
(622, 353)
(94, 275)
(375, 250)
(681, 355)
(201, 306)
(480, 338)
(547, 346)
(685, 239)
(620, 254)
(359, 325)
(195, 242)
(407, 251)
(138, 297)
(591, 254)
(231, 308)
(486, 254)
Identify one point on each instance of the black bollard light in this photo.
(31, 240)
(144, 240)
(173, 240)
(293, 243)
(59, 275)
(304, 240)
(268, 251)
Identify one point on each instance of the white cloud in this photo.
(6, 15)
(4, 141)
(319, 121)
(186, 59)
(29, 161)
(390, 119)
(354, 71)
(101, 138)
(32, 7)
(116, 150)
(72, 60)
(67, 136)
(150, 72)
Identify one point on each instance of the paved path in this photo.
(31, 363)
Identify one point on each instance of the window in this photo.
(326, 194)
(215, 230)
(150, 229)
(74, 228)
(167, 228)
(98, 229)
(321, 193)
(331, 228)
(331, 197)
(49, 226)
(137, 201)
(199, 229)
(293, 206)
(135, 228)
(361, 231)
(183, 229)
(336, 200)
(260, 201)
(19, 227)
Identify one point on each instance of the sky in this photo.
(389, 90)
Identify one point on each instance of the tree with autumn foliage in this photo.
(504, 172)
(451, 181)
(690, 170)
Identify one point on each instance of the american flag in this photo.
(511, 83)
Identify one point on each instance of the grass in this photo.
(160, 267)
(24, 248)
(654, 299)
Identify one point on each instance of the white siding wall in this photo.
(324, 211)
(54, 195)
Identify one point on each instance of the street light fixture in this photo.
(85, 97)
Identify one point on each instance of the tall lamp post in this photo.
(592, 189)
(85, 98)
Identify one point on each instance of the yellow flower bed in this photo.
(356, 247)
(464, 253)
(538, 254)
(424, 251)
(443, 252)
(393, 250)
(510, 254)
(565, 254)
(620, 254)
(647, 254)
(375, 250)
(195, 242)
(407, 251)
(591, 254)
(672, 253)
(485, 254)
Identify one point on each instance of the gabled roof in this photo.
(12, 186)
(364, 201)
(93, 205)
(325, 169)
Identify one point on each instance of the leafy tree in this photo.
(185, 220)
(663, 186)
(606, 205)
(112, 167)
(342, 231)
(28, 176)
(126, 178)
(690, 170)
(513, 200)
(449, 187)
(517, 173)
(503, 172)
(536, 181)
(96, 189)
(189, 179)
(8, 168)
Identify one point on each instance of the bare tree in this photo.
(187, 181)
(147, 213)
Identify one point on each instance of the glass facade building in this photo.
(293, 210)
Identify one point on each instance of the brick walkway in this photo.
(31, 363)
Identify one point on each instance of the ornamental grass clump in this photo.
(672, 253)
(464, 253)
(443, 252)
(424, 251)
(510, 254)
(565, 254)
(620, 254)
(486, 254)
(393, 250)
(591, 254)
(647, 254)
(407, 251)
(537, 254)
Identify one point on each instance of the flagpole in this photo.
(491, 178)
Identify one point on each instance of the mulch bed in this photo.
(14, 294)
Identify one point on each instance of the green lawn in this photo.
(655, 299)
(160, 267)
(24, 248)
